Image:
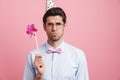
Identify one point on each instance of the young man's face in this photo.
(54, 28)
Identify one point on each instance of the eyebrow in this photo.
(55, 23)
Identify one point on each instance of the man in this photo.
(57, 59)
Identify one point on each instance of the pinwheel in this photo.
(32, 31)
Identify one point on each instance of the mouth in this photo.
(54, 34)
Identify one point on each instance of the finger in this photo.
(37, 62)
(41, 65)
(38, 65)
(38, 57)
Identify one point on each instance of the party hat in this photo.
(49, 4)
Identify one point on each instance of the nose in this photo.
(54, 27)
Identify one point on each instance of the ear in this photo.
(44, 27)
(65, 25)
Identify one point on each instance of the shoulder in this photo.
(33, 52)
(77, 54)
(74, 49)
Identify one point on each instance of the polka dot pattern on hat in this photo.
(50, 4)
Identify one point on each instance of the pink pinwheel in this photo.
(31, 30)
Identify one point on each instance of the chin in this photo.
(55, 39)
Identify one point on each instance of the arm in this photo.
(82, 72)
(29, 72)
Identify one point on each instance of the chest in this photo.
(60, 67)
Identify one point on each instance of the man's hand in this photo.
(39, 65)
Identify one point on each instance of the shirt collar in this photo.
(60, 46)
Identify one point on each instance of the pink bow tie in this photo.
(51, 50)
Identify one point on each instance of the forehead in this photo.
(54, 19)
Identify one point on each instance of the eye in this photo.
(50, 24)
(58, 24)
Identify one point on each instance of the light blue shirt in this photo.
(69, 65)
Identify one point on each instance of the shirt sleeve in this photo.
(82, 71)
(29, 72)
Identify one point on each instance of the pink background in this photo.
(93, 25)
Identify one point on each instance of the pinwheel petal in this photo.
(31, 30)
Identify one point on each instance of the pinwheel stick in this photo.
(36, 41)
(32, 31)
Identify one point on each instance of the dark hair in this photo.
(54, 12)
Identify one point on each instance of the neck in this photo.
(55, 44)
